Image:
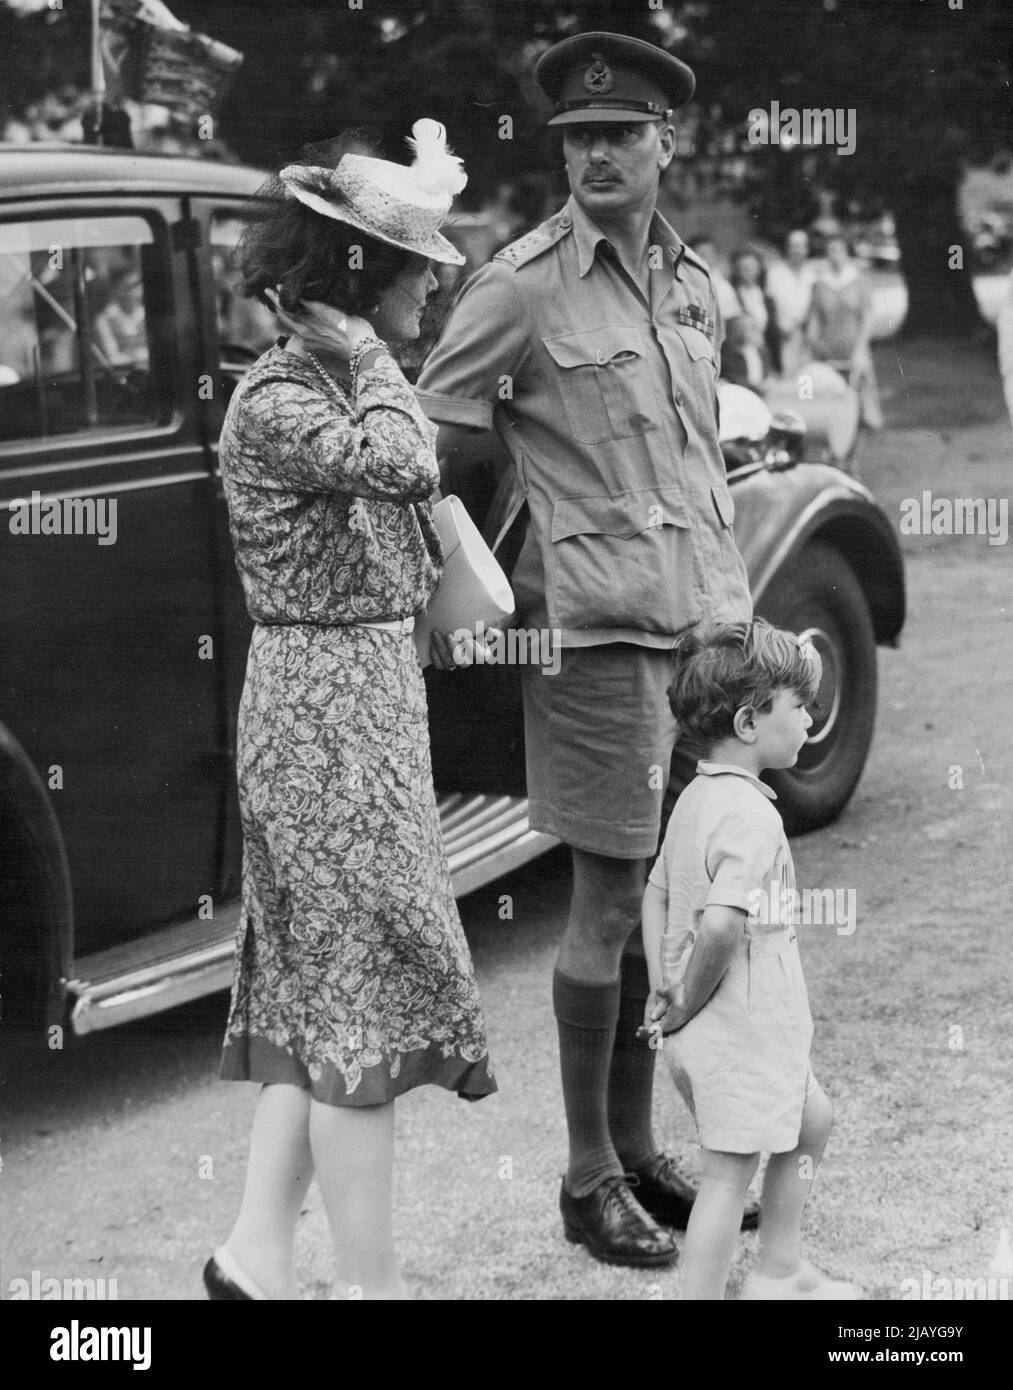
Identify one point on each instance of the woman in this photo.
(750, 351)
(354, 982)
(839, 327)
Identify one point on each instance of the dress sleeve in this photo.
(385, 451)
(487, 338)
(740, 853)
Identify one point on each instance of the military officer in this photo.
(591, 347)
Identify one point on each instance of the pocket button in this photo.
(600, 357)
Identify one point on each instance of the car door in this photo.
(109, 611)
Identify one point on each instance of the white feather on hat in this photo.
(397, 203)
(434, 165)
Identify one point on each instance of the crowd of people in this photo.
(782, 317)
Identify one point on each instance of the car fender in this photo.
(778, 511)
(27, 813)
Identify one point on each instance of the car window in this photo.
(74, 319)
(246, 328)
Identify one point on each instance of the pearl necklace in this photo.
(341, 391)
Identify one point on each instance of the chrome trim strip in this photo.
(126, 460)
(140, 991)
(529, 846)
(91, 1014)
(136, 485)
(81, 442)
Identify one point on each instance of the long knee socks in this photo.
(631, 1078)
(586, 1017)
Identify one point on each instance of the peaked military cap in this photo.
(598, 77)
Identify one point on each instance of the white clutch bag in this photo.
(473, 587)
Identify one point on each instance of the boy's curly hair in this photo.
(728, 665)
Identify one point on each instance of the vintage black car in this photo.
(123, 634)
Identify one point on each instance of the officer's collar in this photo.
(587, 236)
(708, 769)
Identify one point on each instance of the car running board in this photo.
(484, 837)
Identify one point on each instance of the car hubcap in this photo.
(825, 708)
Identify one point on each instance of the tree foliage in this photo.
(929, 82)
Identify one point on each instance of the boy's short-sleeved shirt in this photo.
(725, 845)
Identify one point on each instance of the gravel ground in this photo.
(124, 1156)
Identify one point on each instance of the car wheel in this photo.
(818, 595)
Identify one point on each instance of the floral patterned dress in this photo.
(353, 975)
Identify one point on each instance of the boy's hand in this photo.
(661, 1015)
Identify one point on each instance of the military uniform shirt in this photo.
(606, 400)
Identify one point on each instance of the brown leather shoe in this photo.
(668, 1197)
(614, 1227)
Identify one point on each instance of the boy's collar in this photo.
(709, 769)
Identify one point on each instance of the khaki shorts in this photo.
(599, 737)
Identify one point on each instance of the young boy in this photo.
(727, 993)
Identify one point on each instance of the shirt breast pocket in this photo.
(697, 344)
(603, 380)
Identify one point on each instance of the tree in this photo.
(930, 84)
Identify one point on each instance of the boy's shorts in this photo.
(599, 736)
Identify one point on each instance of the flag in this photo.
(150, 56)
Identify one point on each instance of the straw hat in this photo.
(400, 204)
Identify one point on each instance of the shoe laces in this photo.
(622, 1193)
(664, 1164)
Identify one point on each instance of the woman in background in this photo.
(750, 353)
(839, 328)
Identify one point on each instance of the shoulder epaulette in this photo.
(537, 242)
(694, 259)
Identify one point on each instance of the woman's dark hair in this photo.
(306, 255)
(735, 273)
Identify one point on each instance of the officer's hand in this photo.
(449, 651)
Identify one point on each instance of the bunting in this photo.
(150, 56)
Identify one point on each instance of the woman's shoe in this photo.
(226, 1282)
(807, 1282)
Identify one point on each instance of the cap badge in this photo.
(599, 77)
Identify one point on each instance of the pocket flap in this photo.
(698, 345)
(625, 514)
(594, 348)
(725, 505)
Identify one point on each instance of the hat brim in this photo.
(432, 245)
(598, 115)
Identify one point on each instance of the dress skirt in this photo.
(353, 976)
